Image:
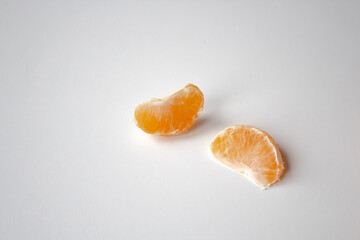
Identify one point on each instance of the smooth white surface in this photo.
(74, 166)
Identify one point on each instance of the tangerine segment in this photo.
(171, 115)
(251, 152)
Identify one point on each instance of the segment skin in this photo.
(250, 152)
(171, 115)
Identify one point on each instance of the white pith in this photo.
(246, 170)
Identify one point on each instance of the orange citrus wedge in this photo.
(171, 115)
(251, 152)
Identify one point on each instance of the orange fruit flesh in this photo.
(171, 115)
(251, 152)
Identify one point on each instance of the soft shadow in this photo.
(201, 122)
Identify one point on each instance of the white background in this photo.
(74, 166)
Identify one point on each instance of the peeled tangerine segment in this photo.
(171, 115)
(251, 152)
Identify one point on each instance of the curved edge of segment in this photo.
(278, 157)
(162, 100)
